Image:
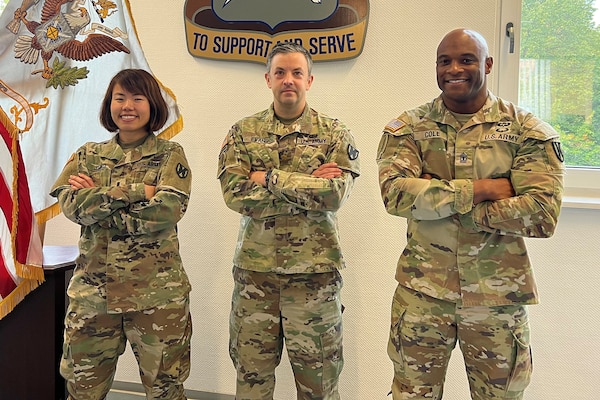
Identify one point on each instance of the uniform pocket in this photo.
(395, 341)
(333, 357)
(176, 356)
(66, 363)
(234, 334)
(522, 369)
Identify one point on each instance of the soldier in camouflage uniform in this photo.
(287, 170)
(129, 284)
(473, 175)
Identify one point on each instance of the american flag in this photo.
(20, 244)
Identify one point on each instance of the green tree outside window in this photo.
(559, 75)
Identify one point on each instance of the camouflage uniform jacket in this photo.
(471, 255)
(290, 226)
(129, 252)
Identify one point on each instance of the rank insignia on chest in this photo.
(463, 158)
(182, 171)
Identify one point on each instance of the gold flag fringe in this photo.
(177, 126)
(23, 289)
(172, 130)
(30, 272)
(47, 213)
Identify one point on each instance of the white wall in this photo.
(394, 72)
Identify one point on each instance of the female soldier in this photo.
(128, 194)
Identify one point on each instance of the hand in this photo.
(258, 177)
(20, 14)
(150, 191)
(492, 189)
(327, 171)
(80, 181)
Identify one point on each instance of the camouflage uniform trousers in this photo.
(494, 342)
(159, 337)
(305, 310)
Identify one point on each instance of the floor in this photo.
(124, 395)
(127, 391)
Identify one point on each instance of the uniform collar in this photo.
(302, 125)
(113, 150)
(490, 112)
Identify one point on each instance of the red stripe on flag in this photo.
(6, 201)
(25, 216)
(21, 248)
(7, 284)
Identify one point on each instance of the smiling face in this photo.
(131, 113)
(289, 80)
(462, 65)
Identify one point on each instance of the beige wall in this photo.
(394, 72)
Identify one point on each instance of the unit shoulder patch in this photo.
(558, 151)
(182, 171)
(352, 152)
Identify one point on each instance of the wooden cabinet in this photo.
(31, 335)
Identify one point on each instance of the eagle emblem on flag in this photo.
(61, 22)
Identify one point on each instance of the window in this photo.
(559, 73)
(555, 70)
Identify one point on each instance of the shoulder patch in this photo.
(558, 151)
(352, 152)
(394, 125)
(181, 171)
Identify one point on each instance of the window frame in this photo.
(582, 185)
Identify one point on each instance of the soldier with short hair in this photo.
(473, 174)
(287, 170)
(129, 285)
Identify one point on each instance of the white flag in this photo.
(59, 56)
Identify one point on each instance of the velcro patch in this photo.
(352, 152)
(182, 171)
(394, 125)
(558, 151)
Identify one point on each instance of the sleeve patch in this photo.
(394, 125)
(558, 151)
(181, 171)
(352, 152)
